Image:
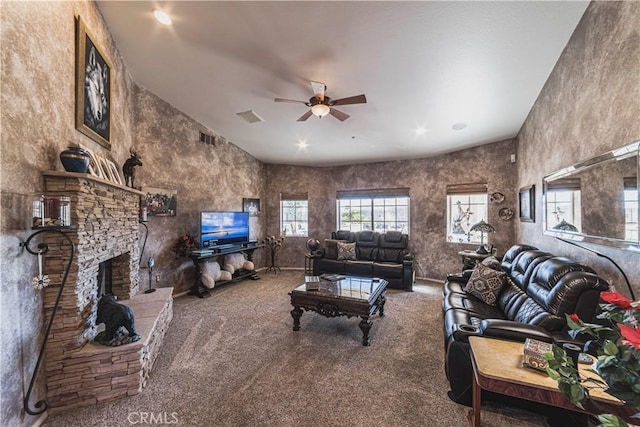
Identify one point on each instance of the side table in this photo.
(497, 367)
(308, 263)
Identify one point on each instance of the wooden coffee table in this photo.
(351, 296)
(497, 367)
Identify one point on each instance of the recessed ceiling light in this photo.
(421, 130)
(458, 126)
(162, 17)
(302, 144)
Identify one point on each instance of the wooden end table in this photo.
(350, 296)
(497, 367)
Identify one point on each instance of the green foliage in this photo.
(618, 362)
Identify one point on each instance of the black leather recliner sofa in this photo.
(542, 289)
(384, 255)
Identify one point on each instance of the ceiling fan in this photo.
(322, 105)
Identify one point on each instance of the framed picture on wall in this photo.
(252, 206)
(93, 89)
(527, 204)
(161, 202)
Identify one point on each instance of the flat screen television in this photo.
(220, 229)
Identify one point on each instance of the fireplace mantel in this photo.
(74, 175)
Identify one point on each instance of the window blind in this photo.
(470, 188)
(373, 193)
(294, 196)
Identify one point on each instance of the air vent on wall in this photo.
(250, 116)
(208, 139)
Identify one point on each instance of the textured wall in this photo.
(589, 105)
(206, 177)
(38, 121)
(427, 180)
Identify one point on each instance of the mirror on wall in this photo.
(596, 200)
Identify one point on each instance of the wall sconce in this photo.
(51, 211)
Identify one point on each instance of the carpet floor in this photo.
(233, 360)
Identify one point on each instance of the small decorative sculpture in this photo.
(128, 169)
(115, 316)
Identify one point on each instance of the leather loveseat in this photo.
(384, 255)
(540, 291)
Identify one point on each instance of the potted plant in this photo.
(617, 341)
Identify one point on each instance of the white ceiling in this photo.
(429, 64)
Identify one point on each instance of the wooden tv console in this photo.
(199, 259)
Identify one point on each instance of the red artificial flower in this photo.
(632, 335)
(574, 317)
(617, 299)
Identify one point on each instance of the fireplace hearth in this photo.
(78, 371)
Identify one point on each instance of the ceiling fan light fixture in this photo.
(320, 110)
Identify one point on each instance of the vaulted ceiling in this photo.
(438, 76)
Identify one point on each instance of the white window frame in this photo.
(296, 225)
(384, 210)
(474, 207)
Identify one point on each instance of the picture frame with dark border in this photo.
(93, 88)
(527, 203)
(252, 206)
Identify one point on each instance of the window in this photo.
(375, 210)
(563, 205)
(294, 215)
(467, 204)
(631, 228)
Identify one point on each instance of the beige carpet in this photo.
(233, 360)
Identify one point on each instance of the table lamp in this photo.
(482, 227)
(565, 226)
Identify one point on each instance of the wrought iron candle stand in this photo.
(273, 244)
(42, 249)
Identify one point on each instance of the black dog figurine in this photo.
(128, 169)
(114, 316)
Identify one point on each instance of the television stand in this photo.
(198, 289)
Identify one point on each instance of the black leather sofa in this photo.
(384, 255)
(540, 291)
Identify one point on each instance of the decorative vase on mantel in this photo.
(75, 159)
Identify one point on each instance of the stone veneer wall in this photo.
(107, 227)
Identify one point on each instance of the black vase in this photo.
(75, 159)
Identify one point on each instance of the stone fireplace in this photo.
(79, 371)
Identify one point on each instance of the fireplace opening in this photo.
(105, 277)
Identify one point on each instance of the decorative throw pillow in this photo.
(492, 262)
(331, 248)
(346, 251)
(486, 283)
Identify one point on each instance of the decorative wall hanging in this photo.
(496, 197)
(93, 89)
(527, 204)
(161, 202)
(505, 214)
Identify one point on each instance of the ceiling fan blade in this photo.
(305, 116)
(358, 99)
(339, 114)
(289, 100)
(318, 90)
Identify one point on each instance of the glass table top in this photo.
(360, 288)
